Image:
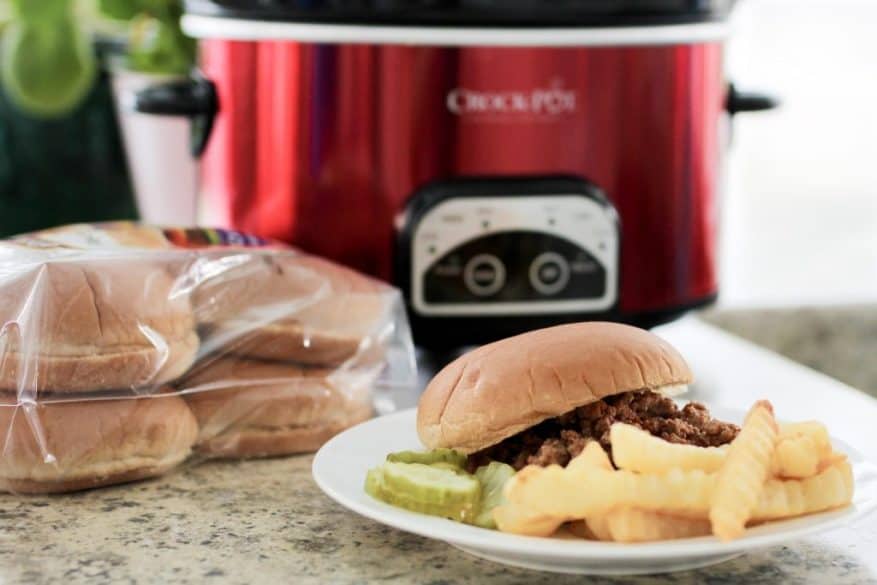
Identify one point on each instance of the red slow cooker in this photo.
(508, 163)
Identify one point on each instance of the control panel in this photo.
(515, 254)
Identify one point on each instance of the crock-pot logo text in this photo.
(552, 101)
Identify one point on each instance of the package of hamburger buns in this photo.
(126, 350)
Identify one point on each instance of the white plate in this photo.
(340, 466)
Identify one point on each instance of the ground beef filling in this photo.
(558, 440)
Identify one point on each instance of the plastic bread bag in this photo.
(125, 349)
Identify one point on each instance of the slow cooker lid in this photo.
(480, 13)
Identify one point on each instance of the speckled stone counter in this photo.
(267, 522)
(839, 341)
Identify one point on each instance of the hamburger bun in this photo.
(502, 388)
(84, 326)
(299, 309)
(248, 408)
(63, 447)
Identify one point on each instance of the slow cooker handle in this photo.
(194, 98)
(747, 101)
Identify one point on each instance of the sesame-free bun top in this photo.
(502, 388)
(295, 308)
(77, 325)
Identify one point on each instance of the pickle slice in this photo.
(431, 484)
(429, 457)
(425, 489)
(374, 480)
(492, 478)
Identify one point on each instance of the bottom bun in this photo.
(63, 447)
(132, 368)
(248, 408)
(265, 442)
(144, 468)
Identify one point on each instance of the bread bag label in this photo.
(204, 237)
(127, 234)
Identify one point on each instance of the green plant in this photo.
(156, 43)
(48, 65)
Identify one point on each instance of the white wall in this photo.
(800, 215)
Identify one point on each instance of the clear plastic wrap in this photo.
(126, 349)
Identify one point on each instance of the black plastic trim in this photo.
(749, 101)
(462, 13)
(194, 98)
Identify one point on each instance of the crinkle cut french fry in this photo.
(796, 457)
(811, 429)
(831, 488)
(637, 450)
(741, 479)
(580, 493)
(592, 456)
(598, 524)
(517, 520)
(636, 525)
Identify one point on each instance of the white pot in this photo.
(164, 172)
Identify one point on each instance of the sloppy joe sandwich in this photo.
(537, 398)
(575, 427)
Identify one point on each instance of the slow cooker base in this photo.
(447, 334)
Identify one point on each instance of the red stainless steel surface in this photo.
(322, 145)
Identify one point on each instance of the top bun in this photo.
(500, 389)
(79, 326)
(300, 309)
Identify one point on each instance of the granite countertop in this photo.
(838, 341)
(266, 521)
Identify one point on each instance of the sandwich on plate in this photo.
(576, 428)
